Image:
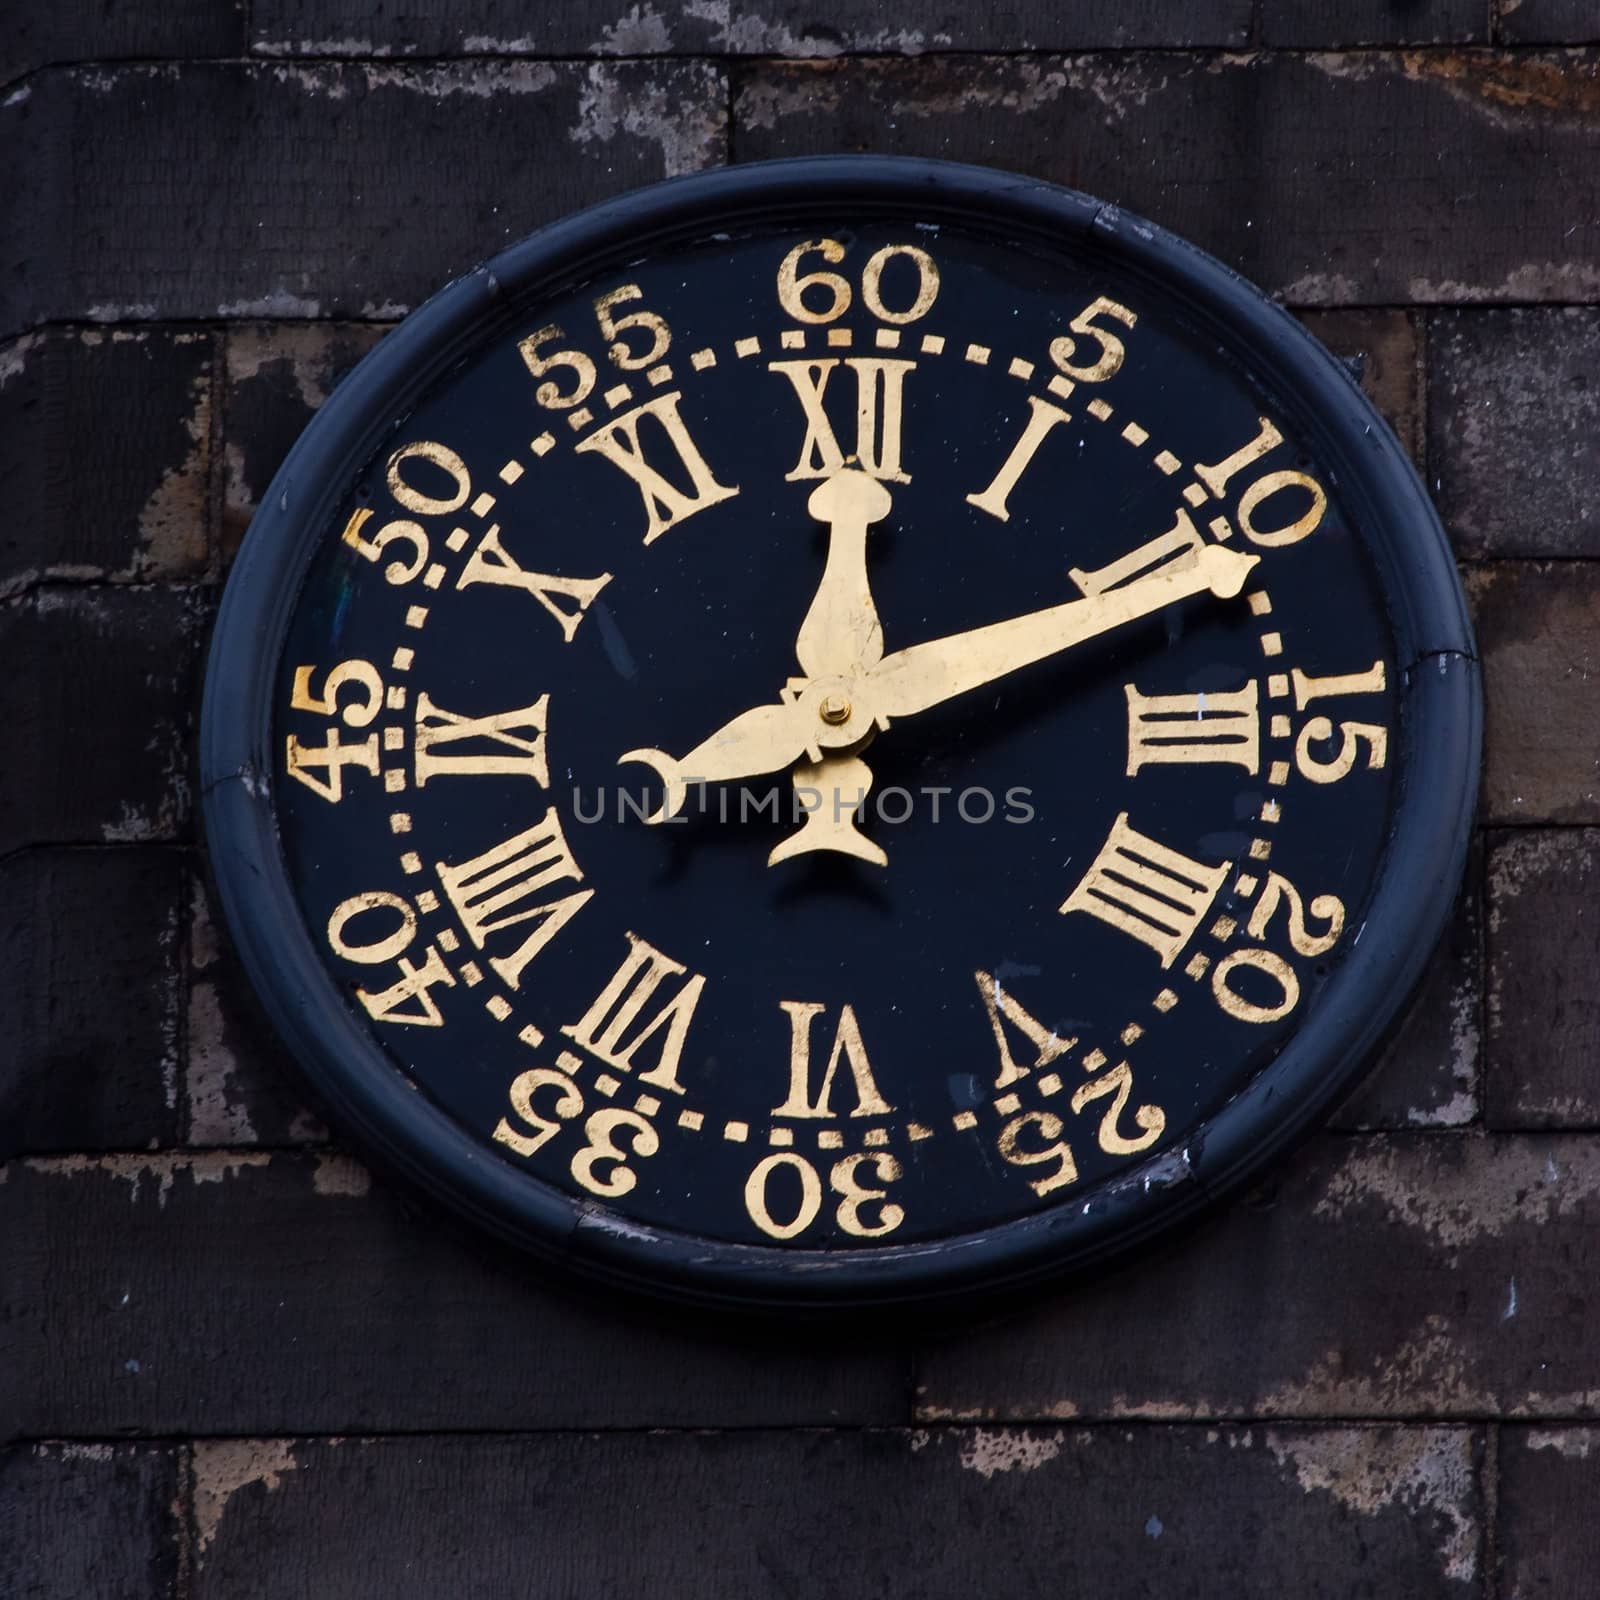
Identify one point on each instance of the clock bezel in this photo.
(365, 1091)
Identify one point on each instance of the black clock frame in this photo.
(1440, 717)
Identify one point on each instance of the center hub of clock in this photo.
(834, 710)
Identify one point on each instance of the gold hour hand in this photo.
(926, 675)
(765, 739)
(841, 633)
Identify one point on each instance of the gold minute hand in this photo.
(926, 675)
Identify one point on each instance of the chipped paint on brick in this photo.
(480, 80)
(1573, 1443)
(216, 1115)
(987, 1451)
(1459, 1198)
(1533, 280)
(690, 130)
(639, 31)
(275, 303)
(1504, 87)
(172, 525)
(222, 1467)
(159, 1169)
(14, 357)
(341, 1175)
(1322, 289)
(324, 47)
(765, 104)
(1425, 1471)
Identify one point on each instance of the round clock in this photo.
(840, 732)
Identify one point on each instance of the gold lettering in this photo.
(515, 741)
(1157, 895)
(1193, 728)
(1152, 1120)
(1180, 544)
(665, 503)
(1047, 1044)
(611, 1029)
(879, 408)
(504, 888)
(1042, 417)
(490, 562)
(847, 1046)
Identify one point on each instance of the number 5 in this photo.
(612, 328)
(1111, 347)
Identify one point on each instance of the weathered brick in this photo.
(328, 191)
(1400, 1276)
(1346, 1514)
(1549, 1536)
(240, 1086)
(1357, 22)
(1318, 176)
(489, 27)
(90, 1002)
(278, 374)
(1539, 636)
(732, 27)
(1429, 1073)
(1548, 21)
(255, 1293)
(89, 1521)
(90, 30)
(1514, 429)
(97, 488)
(96, 710)
(1544, 1005)
(1384, 344)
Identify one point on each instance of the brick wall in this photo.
(231, 1365)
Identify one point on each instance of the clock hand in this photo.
(840, 784)
(764, 739)
(841, 633)
(926, 675)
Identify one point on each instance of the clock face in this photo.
(835, 733)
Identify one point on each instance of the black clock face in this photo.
(823, 734)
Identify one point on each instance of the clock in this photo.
(840, 732)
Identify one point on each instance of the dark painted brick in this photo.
(1544, 1002)
(89, 1522)
(1335, 1514)
(332, 191)
(278, 374)
(1401, 1276)
(90, 1002)
(240, 1085)
(254, 1293)
(1428, 1075)
(1549, 21)
(1384, 344)
(1514, 429)
(91, 30)
(1549, 1536)
(97, 487)
(1539, 637)
(733, 27)
(1330, 180)
(1353, 22)
(96, 708)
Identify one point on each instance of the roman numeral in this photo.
(1042, 417)
(1182, 541)
(504, 888)
(490, 562)
(1188, 728)
(1158, 895)
(666, 504)
(613, 1029)
(879, 384)
(1003, 1008)
(847, 1047)
(508, 742)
